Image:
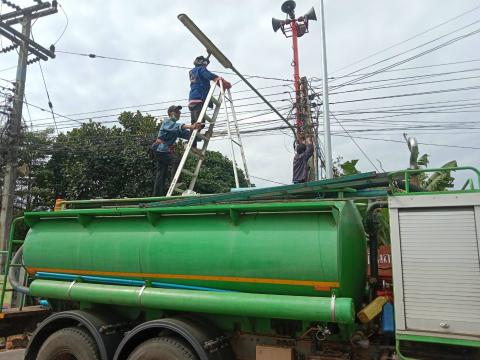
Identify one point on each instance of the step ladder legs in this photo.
(229, 134)
(239, 139)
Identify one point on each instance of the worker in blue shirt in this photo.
(303, 152)
(169, 132)
(200, 79)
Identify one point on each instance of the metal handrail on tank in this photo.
(408, 172)
(8, 252)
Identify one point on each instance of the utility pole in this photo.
(326, 110)
(309, 128)
(14, 124)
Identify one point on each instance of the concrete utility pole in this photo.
(14, 125)
(326, 110)
(309, 128)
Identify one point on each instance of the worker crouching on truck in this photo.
(169, 132)
(303, 152)
(200, 79)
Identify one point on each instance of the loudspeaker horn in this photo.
(288, 7)
(310, 15)
(276, 24)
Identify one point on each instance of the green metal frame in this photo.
(125, 202)
(437, 340)
(408, 172)
(153, 213)
(431, 339)
(352, 186)
(8, 252)
(343, 187)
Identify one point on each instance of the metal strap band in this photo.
(140, 293)
(332, 307)
(70, 288)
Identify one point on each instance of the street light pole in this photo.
(326, 111)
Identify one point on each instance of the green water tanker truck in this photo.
(277, 273)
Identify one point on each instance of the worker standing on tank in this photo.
(303, 152)
(169, 132)
(200, 79)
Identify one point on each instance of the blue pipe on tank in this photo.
(118, 281)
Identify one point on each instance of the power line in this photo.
(316, 79)
(50, 105)
(178, 100)
(409, 105)
(356, 144)
(403, 85)
(78, 120)
(96, 56)
(406, 40)
(66, 25)
(272, 181)
(421, 143)
(409, 94)
(425, 52)
(148, 111)
(166, 102)
(8, 68)
(410, 78)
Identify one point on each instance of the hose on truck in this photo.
(14, 273)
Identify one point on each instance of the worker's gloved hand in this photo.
(226, 84)
(197, 126)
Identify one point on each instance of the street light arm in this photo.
(222, 59)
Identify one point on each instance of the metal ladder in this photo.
(200, 153)
(7, 257)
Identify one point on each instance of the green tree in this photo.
(111, 162)
(345, 168)
(216, 174)
(32, 174)
(439, 180)
(34, 177)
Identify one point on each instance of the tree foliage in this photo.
(216, 174)
(107, 162)
(345, 168)
(34, 177)
(439, 180)
(97, 161)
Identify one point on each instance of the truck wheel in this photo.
(69, 344)
(163, 348)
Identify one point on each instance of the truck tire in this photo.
(69, 344)
(163, 348)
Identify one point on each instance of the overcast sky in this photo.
(150, 31)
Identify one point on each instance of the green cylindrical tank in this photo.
(286, 248)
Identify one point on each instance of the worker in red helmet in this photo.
(200, 79)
